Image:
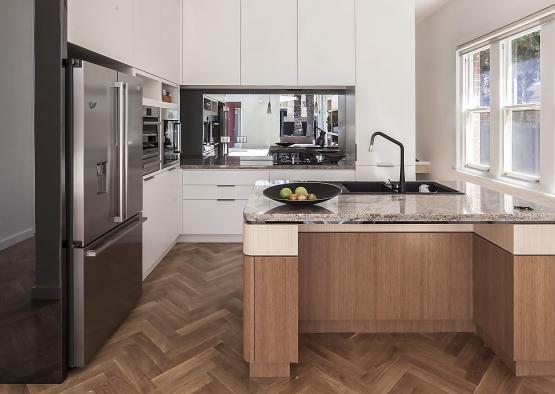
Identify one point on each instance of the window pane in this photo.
(526, 142)
(478, 141)
(480, 79)
(525, 61)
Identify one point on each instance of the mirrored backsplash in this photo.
(249, 123)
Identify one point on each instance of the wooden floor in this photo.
(186, 337)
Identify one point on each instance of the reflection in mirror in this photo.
(253, 122)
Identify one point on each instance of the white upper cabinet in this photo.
(327, 42)
(103, 26)
(157, 38)
(211, 42)
(269, 42)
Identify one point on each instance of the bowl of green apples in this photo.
(302, 193)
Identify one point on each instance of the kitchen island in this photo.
(479, 261)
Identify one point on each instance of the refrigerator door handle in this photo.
(97, 251)
(120, 135)
(126, 149)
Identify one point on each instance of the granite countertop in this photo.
(477, 205)
(258, 163)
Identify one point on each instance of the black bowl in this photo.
(323, 191)
(285, 144)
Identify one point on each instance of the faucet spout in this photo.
(402, 181)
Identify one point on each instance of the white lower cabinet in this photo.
(214, 200)
(313, 175)
(161, 207)
(213, 217)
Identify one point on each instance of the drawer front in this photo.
(223, 177)
(212, 192)
(313, 175)
(213, 217)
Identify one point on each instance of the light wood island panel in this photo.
(392, 277)
(429, 278)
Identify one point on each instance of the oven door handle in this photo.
(177, 138)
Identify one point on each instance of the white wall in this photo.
(16, 121)
(437, 39)
(385, 83)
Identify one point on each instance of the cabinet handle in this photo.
(148, 179)
(225, 199)
(385, 165)
(225, 185)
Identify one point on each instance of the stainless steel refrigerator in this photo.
(106, 271)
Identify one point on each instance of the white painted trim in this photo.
(16, 238)
(207, 238)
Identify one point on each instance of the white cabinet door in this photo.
(312, 175)
(211, 42)
(153, 234)
(173, 211)
(269, 42)
(161, 207)
(103, 26)
(157, 38)
(213, 217)
(224, 177)
(327, 42)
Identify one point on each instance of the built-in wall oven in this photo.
(152, 137)
(171, 137)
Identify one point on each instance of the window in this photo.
(477, 114)
(502, 131)
(521, 112)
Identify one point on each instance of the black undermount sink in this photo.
(385, 188)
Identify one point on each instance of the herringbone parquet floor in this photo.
(186, 337)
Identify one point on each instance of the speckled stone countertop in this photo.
(477, 205)
(258, 163)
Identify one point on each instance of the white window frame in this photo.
(545, 183)
(508, 107)
(468, 109)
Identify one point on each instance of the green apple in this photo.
(285, 192)
(301, 191)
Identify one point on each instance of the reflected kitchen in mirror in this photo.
(282, 127)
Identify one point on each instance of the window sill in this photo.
(525, 190)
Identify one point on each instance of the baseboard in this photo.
(224, 238)
(158, 260)
(16, 238)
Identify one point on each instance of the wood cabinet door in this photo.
(269, 42)
(102, 26)
(211, 42)
(494, 294)
(327, 42)
(385, 276)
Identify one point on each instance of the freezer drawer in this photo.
(107, 283)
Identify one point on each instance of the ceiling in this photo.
(425, 8)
